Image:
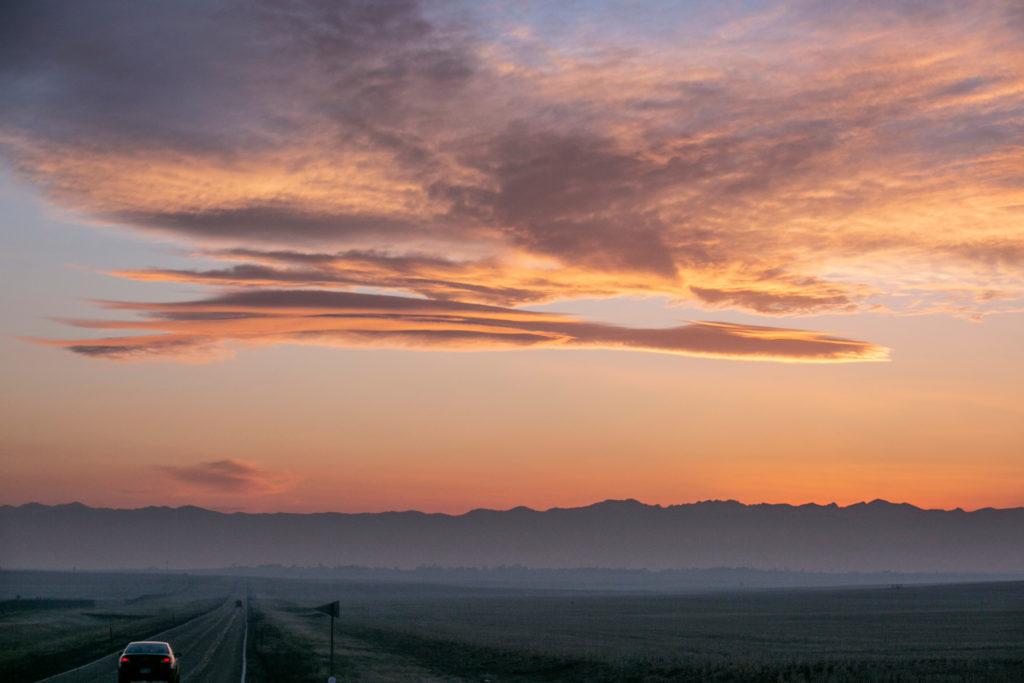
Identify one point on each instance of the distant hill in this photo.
(865, 537)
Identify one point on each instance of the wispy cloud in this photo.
(228, 476)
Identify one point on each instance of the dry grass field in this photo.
(956, 633)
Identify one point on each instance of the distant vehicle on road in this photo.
(238, 603)
(148, 660)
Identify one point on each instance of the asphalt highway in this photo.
(212, 647)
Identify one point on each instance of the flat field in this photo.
(417, 632)
(972, 632)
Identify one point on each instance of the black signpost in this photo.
(333, 609)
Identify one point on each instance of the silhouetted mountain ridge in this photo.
(875, 536)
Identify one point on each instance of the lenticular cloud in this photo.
(205, 328)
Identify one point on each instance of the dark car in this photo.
(148, 660)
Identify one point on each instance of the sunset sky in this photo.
(367, 256)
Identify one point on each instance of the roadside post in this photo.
(333, 609)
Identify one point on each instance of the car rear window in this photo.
(148, 649)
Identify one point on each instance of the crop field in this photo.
(964, 632)
(410, 632)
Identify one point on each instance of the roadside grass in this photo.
(282, 634)
(276, 653)
(36, 643)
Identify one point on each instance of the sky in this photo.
(359, 256)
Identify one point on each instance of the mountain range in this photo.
(617, 534)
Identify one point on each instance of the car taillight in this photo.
(124, 660)
(166, 660)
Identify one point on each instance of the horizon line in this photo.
(521, 508)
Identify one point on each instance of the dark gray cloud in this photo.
(226, 476)
(344, 272)
(571, 196)
(273, 224)
(219, 76)
(125, 348)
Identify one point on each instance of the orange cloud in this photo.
(800, 159)
(197, 329)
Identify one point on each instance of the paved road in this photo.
(212, 645)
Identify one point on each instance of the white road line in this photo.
(245, 638)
